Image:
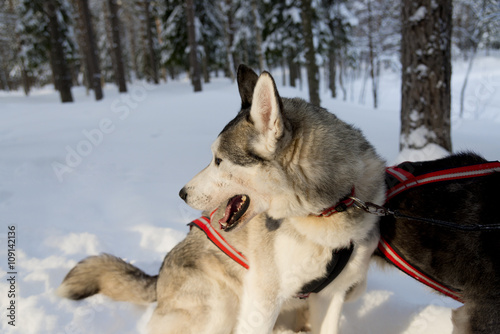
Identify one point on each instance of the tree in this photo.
(116, 47)
(46, 50)
(132, 39)
(282, 34)
(91, 51)
(228, 10)
(151, 54)
(258, 34)
(426, 73)
(310, 52)
(210, 36)
(375, 41)
(9, 48)
(193, 47)
(59, 63)
(334, 36)
(476, 23)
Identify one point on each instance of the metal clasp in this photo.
(371, 208)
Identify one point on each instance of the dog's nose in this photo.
(183, 194)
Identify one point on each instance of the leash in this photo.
(395, 257)
(378, 210)
(409, 181)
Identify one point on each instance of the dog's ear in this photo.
(247, 79)
(265, 111)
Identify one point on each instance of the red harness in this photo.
(407, 181)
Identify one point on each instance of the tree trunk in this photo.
(258, 35)
(292, 69)
(229, 37)
(153, 67)
(91, 52)
(466, 79)
(341, 77)
(25, 79)
(60, 71)
(83, 49)
(310, 53)
(116, 47)
(193, 47)
(204, 66)
(163, 69)
(332, 70)
(426, 73)
(371, 54)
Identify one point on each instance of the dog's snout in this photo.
(183, 194)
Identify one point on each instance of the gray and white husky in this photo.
(281, 162)
(278, 165)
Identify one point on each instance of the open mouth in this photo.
(235, 209)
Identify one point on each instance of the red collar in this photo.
(339, 259)
(203, 223)
(341, 206)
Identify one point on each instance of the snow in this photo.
(419, 14)
(421, 71)
(123, 162)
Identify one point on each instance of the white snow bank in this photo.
(121, 196)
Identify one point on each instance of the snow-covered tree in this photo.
(12, 69)
(334, 23)
(194, 65)
(426, 74)
(46, 37)
(477, 26)
(282, 36)
(376, 37)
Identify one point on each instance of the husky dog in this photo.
(279, 164)
(467, 262)
(198, 288)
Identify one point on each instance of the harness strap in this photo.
(339, 260)
(203, 223)
(405, 180)
(395, 258)
(409, 181)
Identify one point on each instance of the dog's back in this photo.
(465, 261)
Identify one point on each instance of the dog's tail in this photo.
(110, 276)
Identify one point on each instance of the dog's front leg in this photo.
(260, 305)
(325, 309)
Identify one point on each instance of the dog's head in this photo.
(241, 172)
(285, 157)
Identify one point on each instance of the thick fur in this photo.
(465, 261)
(293, 160)
(198, 288)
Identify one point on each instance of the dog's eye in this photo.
(217, 161)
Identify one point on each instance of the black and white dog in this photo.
(466, 260)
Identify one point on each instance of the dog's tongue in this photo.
(232, 206)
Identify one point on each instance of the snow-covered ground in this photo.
(89, 177)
